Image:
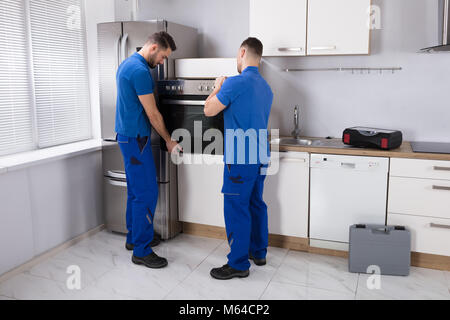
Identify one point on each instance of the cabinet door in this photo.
(281, 26)
(287, 194)
(199, 192)
(338, 27)
(428, 234)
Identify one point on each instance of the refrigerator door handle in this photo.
(124, 47)
(117, 183)
(116, 174)
(117, 51)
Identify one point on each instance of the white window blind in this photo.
(16, 130)
(60, 71)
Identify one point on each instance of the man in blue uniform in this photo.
(246, 101)
(136, 114)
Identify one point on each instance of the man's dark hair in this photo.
(163, 40)
(254, 45)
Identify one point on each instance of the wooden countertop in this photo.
(404, 151)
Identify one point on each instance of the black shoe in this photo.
(226, 272)
(156, 241)
(150, 261)
(258, 262)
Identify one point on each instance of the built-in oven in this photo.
(181, 103)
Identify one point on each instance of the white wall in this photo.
(43, 206)
(96, 11)
(414, 100)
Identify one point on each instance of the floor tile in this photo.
(200, 285)
(421, 284)
(108, 273)
(139, 282)
(318, 271)
(57, 269)
(27, 287)
(283, 291)
(184, 253)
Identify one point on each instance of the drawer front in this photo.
(422, 197)
(428, 235)
(428, 169)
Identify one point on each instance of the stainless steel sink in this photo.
(324, 143)
(291, 142)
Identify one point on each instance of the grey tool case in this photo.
(386, 247)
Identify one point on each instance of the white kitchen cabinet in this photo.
(199, 191)
(286, 194)
(338, 27)
(419, 199)
(281, 26)
(418, 168)
(428, 234)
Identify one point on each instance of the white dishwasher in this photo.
(345, 190)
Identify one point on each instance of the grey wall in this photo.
(45, 205)
(414, 100)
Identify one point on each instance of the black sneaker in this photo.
(156, 241)
(150, 261)
(226, 272)
(258, 262)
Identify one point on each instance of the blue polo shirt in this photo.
(248, 99)
(133, 79)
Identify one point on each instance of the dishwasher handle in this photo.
(349, 165)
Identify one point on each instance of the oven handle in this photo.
(185, 102)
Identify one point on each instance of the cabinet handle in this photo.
(348, 165)
(441, 188)
(293, 159)
(440, 226)
(324, 48)
(441, 168)
(291, 49)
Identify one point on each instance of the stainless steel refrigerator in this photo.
(116, 42)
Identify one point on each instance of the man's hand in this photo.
(219, 82)
(212, 105)
(173, 147)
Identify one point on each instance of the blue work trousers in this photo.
(142, 188)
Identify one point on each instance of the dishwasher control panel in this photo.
(358, 163)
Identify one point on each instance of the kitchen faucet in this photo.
(296, 132)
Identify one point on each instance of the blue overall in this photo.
(248, 100)
(133, 136)
(142, 188)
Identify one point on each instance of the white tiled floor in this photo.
(107, 273)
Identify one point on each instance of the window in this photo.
(16, 130)
(44, 93)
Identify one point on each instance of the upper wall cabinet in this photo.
(280, 25)
(338, 27)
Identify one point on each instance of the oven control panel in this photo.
(185, 87)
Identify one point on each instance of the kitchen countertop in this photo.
(404, 151)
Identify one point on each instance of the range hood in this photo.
(444, 22)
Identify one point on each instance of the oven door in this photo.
(187, 112)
